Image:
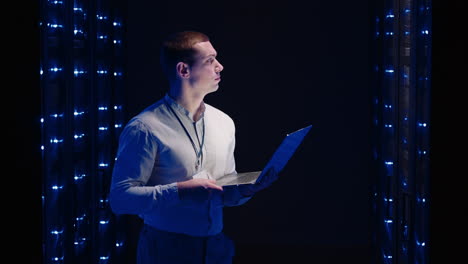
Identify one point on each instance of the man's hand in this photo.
(267, 179)
(198, 189)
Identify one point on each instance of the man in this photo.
(170, 156)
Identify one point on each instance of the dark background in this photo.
(339, 24)
(286, 65)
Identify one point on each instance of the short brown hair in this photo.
(178, 47)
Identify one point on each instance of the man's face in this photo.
(205, 71)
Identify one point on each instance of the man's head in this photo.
(189, 56)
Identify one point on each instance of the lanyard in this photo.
(198, 154)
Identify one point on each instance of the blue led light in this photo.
(388, 221)
(55, 69)
(77, 72)
(117, 24)
(55, 2)
(103, 128)
(56, 140)
(101, 17)
(116, 41)
(118, 74)
(425, 32)
(78, 113)
(103, 165)
(79, 177)
(389, 33)
(422, 124)
(119, 244)
(102, 37)
(104, 222)
(103, 257)
(56, 232)
(102, 108)
(102, 72)
(56, 187)
(78, 31)
(78, 136)
(118, 125)
(54, 25)
(56, 115)
(117, 107)
(389, 71)
(388, 125)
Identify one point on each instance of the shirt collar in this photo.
(182, 110)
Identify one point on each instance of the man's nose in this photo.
(219, 67)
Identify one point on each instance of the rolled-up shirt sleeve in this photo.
(132, 169)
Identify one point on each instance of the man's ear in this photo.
(182, 69)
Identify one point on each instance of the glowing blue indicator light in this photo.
(103, 165)
(56, 141)
(56, 187)
(54, 25)
(56, 232)
(78, 136)
(102, 108)
(79, 177)
(422, 244)
(55, 69)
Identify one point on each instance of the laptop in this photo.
(278, 161)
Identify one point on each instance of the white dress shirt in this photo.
(155, 153)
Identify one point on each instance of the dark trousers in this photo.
(161, 247)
